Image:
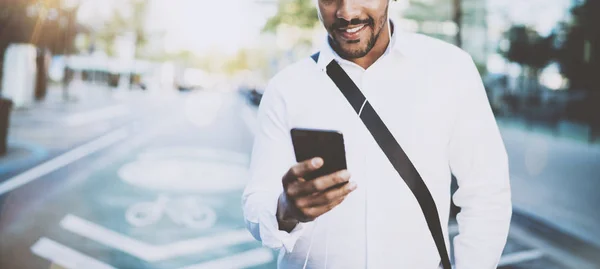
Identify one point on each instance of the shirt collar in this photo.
(326, 54)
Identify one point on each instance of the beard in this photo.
(361, 51)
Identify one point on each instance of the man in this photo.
(430, 96)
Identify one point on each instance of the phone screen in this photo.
(327, 144)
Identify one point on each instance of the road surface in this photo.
(159, 187)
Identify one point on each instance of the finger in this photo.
(294, 189)
(302, 168)
(323, 183)
(314, 212)
(327, 197)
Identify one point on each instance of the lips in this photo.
(352, 32)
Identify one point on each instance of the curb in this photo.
(32, 155)
(557, 237)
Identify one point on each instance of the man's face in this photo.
(353, 25)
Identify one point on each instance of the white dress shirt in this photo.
(429, 94)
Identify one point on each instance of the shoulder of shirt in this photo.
(420, 46)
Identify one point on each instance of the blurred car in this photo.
(252, 94)
(255, 96)
(192, 79)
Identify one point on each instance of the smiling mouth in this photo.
(355, 29)
(351, 33)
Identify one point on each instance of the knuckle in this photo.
(291, 191)
(330, 196)
(318, 185)
(301, 203)
(312, 213)
(307, 213)
(307, 165)
(295, 171)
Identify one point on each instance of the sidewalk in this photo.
(555, 178)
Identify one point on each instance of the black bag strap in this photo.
(393, 151)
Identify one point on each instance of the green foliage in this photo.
(120, 24)
(301, 13)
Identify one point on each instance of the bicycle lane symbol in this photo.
(176, 171)
(193, 188)
(188, 211)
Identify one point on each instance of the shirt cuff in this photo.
(270, 234)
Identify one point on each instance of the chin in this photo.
(354, 52)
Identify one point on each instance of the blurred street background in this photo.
(126, 126)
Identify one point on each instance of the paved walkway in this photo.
(556, 179)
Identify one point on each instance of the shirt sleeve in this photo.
(479, 161)
(272, 156)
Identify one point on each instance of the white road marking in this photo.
(63, 160)
(206, 153)
(519, 257)
(64, 256)
(246, 259)
(95, 115)
(149, 252)
(174, 174)
(249, 117)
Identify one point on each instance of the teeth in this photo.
(354, 30)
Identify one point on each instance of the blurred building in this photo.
(436, 18)
(474, 28)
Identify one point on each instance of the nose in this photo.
(348, 10)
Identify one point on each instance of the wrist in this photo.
(284, 219)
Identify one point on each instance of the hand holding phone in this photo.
(311, 187)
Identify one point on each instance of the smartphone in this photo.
(327, 144)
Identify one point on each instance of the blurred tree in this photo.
(124, 20)
(246, 59)
(541, 54)
(300, 13)
(238, 62)
(530, 50)
(138, 22)
(48, 24)
(457, 18)
(579, 55)
(518, 47)
(579, 58)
